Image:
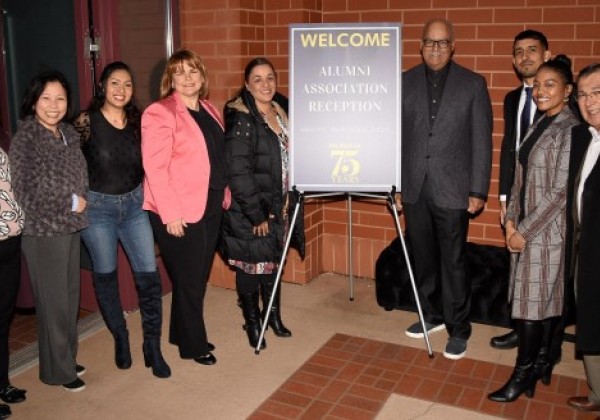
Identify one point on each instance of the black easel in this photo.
(300, 197)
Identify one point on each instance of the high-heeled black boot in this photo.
(149, 290)
(266, 289)
(523, 378)
(550, 351)
(251, 312)
(109, 302)
(122, 350)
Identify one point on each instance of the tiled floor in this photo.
(352, 378)
(23, 330)
(324, 371)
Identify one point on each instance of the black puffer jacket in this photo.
(254, 160)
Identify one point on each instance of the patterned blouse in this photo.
(11, 215)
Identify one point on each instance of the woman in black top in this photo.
(110, 131)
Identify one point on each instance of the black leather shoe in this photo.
(4, 411)
(211, 346)
(506, 341)
(12, 395)
(208, 359)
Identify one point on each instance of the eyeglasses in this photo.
(593, 95)
(441, 43)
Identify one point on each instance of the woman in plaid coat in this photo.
(535, 229)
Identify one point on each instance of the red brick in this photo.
(471, 398)
(317, 410)
(479, 15)
(361, 403)
(291, 399)
(568, 14)
(275, 408)
(334, 391)
(300, 388)
(537, 410)
(528, 15)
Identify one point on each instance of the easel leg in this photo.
(279, 271)
(410, 273)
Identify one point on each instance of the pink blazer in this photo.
(175, 159)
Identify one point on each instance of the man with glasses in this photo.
(583, 231)
(530, 50)
(446, 165)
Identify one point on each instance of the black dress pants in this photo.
(10, 278)
(188, 261)
(438, 238)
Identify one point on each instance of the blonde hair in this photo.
(175, 62)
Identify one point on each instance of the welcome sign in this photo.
(345, 96)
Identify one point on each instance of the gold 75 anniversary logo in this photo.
(347, 167)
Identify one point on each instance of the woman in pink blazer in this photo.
(185, 192)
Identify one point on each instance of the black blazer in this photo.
(455, 152)
(588, 292)
(508, 149)
(509, 141)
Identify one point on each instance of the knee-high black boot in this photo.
(149, 290)
(275, 322)
(523, 378)
(109, 301)
(550, 350)
(251, 312)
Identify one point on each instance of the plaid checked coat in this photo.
(537, 273)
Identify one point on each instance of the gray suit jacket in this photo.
(454, 152)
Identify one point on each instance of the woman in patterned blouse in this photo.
(11, 224)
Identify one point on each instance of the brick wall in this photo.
(227, 33)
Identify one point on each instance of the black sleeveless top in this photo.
(114, 157)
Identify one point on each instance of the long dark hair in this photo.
(132, 111)
(36, 88)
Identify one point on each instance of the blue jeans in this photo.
(114, 218)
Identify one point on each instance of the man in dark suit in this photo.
(530, 50)
(446, 165)
(583, 231)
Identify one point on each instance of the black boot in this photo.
(149, 290)
(509, 340)
(523, 378)
(550, 351)
(251, 312)
(275, 322)
(109, 301)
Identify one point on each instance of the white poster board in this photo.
(345, 113)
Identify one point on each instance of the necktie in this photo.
(525, 114)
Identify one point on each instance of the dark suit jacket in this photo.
(509, 141)
(588, 292)
(455, 152)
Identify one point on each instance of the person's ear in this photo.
(547, 55)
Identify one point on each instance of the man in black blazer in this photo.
(530, 50)
(583, 231)
(446, 165)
